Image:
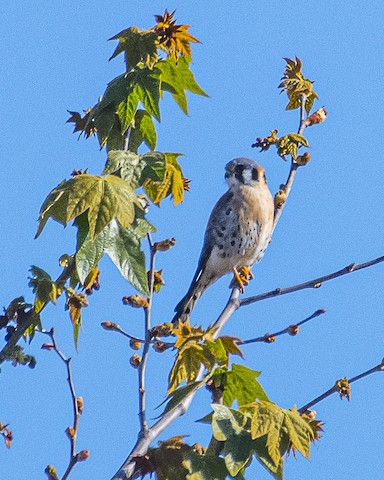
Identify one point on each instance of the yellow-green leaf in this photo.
(102, 198)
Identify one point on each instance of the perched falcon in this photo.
(238, 231)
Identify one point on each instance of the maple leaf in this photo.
(85, 125)
(173, 39)
(185, 333)
(172, 182)
(295, 85)
(75, 303)
(137, 46)
(103, 198)
(44, 288)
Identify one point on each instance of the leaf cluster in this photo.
(296, 85)
(288, 144)
(107, 209)
(196, 347)
(116, 118)
(263, 430)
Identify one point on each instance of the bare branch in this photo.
(77, 408)
(335, 388)
(291, 330)
(315, 283)
(147, 342)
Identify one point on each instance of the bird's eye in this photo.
(255, 174)
(239, 172)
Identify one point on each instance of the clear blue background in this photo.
(54, 57)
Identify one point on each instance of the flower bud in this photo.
(135, 344)
(70, 431)
(293, 330)
(136, 301)
(83, 455)
(107, 325)
(80, 404)
(159, 346)
(135, 360)
(164, 245)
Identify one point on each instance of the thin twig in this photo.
(294, 166)
(292, 330)
(72, 431)
(147, 342)
(315, 283)
(377, 368)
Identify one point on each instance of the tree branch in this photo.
(336, 387)
(315, 283)
(77, 403)
(147, 342)
(294, 166)
(291, 330)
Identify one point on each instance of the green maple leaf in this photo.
(284, 430)
(237, 452)
(176, 77)
(122, 245)
(187, 364)
(137, 46)
(143, 130)
(122, 97)
(204, 467)
(103, 198)
(136, 169)
(240, 384)
(44, 288)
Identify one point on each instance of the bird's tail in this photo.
(199, 284)
(184, 308)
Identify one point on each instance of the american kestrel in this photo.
(238, 231)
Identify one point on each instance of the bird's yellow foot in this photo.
(241, 278)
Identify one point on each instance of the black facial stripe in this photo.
(255, 174)
(239, 173)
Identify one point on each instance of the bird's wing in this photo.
(215, 223)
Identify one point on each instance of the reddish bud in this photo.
(83, 455)
(80, 404)
(159, 346)
(268, 338)
(47, 346)
(318, 117)
(293, 330)
(164, 245)
(135, 344)
(70, 431)
(303, 159)
(107, 325)
(136, 301)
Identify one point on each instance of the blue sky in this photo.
(55, 58)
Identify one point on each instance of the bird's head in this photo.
(244, 171)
